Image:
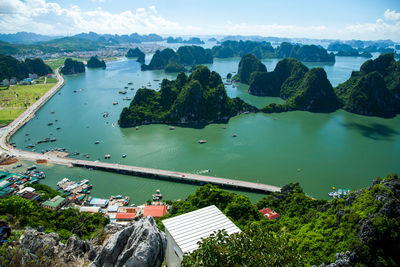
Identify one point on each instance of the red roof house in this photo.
(154, 211)
(270, 214)
(123, 216)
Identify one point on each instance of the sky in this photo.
(319, 19)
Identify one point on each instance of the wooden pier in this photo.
(176, 176)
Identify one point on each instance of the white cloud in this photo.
(391, 15)
(50, 18)
(386, 28)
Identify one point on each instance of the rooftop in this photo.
(154, 211)
(190, 228)
(54, 202)
(126, 216)
(269, 214)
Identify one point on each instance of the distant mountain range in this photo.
(25, 38)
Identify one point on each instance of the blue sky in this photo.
(338, 19)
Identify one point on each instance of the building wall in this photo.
(173, 255)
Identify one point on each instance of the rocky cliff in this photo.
(72, 67)
(138, 244)
(94, 62)
(247, 65)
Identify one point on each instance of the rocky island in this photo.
(195, 100)
(374, 90)
(94, 62)
(12, 67)
(132, 53)
(305, 53)
(72, 67)
(185, 56)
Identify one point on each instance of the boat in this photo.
(137, 128)
(86, 156)
(50, 123)
(124, 156)
(31, 168)
(116, 197)
(115, 103)
(172, 128)
(30, 146)
(339, 193)
(53, 139)
(107, 156)
(17, 166)
(58, 128)
(97, 142)
(201, 141)
(126, 201)
(105, 114)
(123, 91)
(156, 80)
(126, 87)
(52, 112)
(157, 196)
(127, 98)
(130, 83)
(234, 135)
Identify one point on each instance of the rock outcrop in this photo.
(139, 244)
(72, 67)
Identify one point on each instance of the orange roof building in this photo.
(154, 211)
(270, 214)
(123, 216)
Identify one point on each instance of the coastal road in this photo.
(29, 113)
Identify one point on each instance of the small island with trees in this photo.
(172, 61)
(196, 100)
(72, 67)
(372, 91)
(136, 53)
(94, 62)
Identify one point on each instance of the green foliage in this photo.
(11, 67)
(94, 62)
(241, 48)
(45, 191)
(198, 99)
(174, 67)
(136, 53)
(65, 222)
(308, 232)
(305, 53)
(247, 65)
(374, 90)
(255, 247)
(184, 56)
(72, 67)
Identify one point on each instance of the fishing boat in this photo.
(234, 135)
(137, 128)
(97, 142)
(115, 103)
(50, 123)
(339, 193)
(107, 156)
(105, 114)
(202, 141)
(157, 196)
(58, 128)
(130, 83)
(123, 92)
(126, 201)
(127, 98)
(172, 128)
(124, 156)
(30, 146)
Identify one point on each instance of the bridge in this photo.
(7, 131)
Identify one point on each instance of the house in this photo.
(98, 202)
(26, 189)
(33, 75)
(125, 217)
(154, 211)
(270, 214)
(185, 231)
(13, 81)
(89, 209)
(6, 82)
(55, 203)
(30, 195)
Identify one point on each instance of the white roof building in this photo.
(184, 231)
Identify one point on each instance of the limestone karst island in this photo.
(210, 133)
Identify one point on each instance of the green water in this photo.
(318, 150)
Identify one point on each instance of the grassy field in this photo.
(17, 98)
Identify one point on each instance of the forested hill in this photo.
(305, 53)
(198, 99)
(184, 56)
(11, 67)
(360, 230)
